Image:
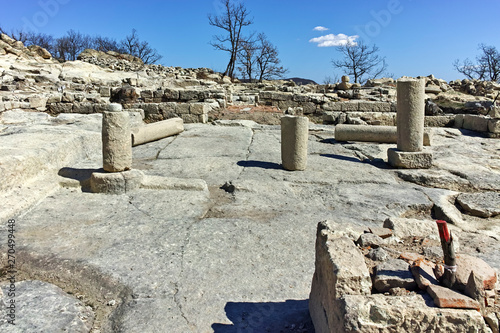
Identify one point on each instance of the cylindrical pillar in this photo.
(116, 139)
(410, 114)
(294, 137)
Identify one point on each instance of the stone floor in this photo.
(235, 256)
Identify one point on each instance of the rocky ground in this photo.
(226, 243)
(234, 254)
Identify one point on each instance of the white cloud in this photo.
(334, 40)
(320, 28)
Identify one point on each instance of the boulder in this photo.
(484, 204)
(40, 51)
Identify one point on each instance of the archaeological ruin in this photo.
(144, 198)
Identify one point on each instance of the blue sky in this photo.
(417, 37)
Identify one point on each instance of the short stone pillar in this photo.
(116, 139)
(410, 126)
(294, 137)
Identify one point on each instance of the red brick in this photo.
(447, 298)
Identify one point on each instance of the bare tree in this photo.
(232, 20)
(487, 66)
(105, 44)
(68, 48)
(140, 49)
(247, 59)
(360, 61)
(267, 60)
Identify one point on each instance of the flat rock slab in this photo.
(466, 264)
(423, 272)
(44, 307)
(393, 273)
(414, 313)
(447, 298)
(484, 204)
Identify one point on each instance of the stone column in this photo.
(410, 127)
(410, 114)
(294, 137)
(116, 139)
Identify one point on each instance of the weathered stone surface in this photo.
(382, 314)
(294, 137)
(44, 307)
(340, 271)
(475, 290)
(403, 227)
(475, 123)
(116, 182)
(466, 264)
(494, 126)
(116, 140)
(447, 298)
(378, 254)
(409, 160)
(125, 95)
(156, 131)
(423, 273)
(370, 240)
(410, 116)
(394, 273)
(484, 204)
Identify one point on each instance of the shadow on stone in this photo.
(288, 316)
(80, 175)
(260, 164)
(377, 162)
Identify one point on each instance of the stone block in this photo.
(116, 182)
(446, 298)
(83, 108)
(370, 240)
(459, 121)
(423, 273)
(382, 314)
(350, 106)
(199, 108)
(394, 273)
(38, 102)
(203, 118)
(56, 98)
(439, 121)
(190, 118)
(494, 112)
(182, 108)
(301, 98)
(340, 270)
(403, 227)
(171, 94)
(189, 95)
(279, 96)
(57, 108)
(332, 106)
(106, 91)
(151, 110)
(475, 123)
(409, 160)
(466, 264)
(368, 106)
(494, 126)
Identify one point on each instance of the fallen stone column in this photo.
(156, 131)
(294, 137)
(116, 140)
(410, 126)
(368, 133)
